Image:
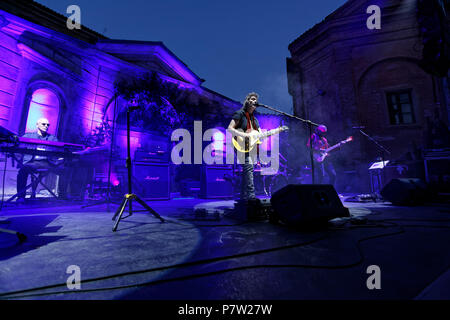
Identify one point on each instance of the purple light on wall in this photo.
(267, 123)
(114, 180)
(44, 104)
(135, 142)
(219, 140)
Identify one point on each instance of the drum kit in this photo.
(267, 184)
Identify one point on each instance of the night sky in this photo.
(236, 46)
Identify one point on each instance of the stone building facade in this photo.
(345, 75)
(69, 76)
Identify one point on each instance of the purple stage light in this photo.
(268, 123)
(219, 140)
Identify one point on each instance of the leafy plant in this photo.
(151, 95)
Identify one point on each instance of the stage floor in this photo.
(220, 255)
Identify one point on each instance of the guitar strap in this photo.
(245, 114)
(249, 121)
(252, 119)
(246, 142)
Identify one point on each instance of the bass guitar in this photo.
(320, 155)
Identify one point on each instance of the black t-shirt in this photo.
(241, 119)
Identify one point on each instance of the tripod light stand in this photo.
(130, 196)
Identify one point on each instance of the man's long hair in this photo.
(247, 99)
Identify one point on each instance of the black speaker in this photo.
(405, 192)
(215, 182)
(151, 180)
(306, 204)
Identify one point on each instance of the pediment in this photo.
(153, 56)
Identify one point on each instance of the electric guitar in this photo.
(247, 144)
(320, 155)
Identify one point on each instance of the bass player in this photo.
(319, 142)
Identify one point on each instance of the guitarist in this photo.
(319, 142)
(244, 119)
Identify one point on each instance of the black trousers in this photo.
(33, 166)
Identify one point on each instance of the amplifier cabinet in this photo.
(151, 180)
(216, 182)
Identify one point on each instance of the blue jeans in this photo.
(247, 186)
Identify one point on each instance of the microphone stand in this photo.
(310, 124)
(383, 151)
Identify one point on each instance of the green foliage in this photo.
(165, 106)
(152, 95)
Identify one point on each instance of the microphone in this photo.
(360, 127)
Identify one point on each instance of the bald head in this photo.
(42, 125)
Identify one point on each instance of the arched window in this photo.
(44, 103)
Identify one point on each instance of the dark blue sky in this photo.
(236, 46)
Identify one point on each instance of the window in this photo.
(400, 107)
(44, 104)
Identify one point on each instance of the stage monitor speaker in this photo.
(307, 204)
(215, 182)
(405, 192)
(152, 180)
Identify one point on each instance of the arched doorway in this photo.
(44, 103)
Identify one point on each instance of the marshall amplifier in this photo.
(155, 155)
(215, 182)
(151, 180)
(152, 148)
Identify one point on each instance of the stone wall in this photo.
(81, 76)
(345, 71)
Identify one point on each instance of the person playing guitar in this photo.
(245, 120)
(321, 148)
(247, 135)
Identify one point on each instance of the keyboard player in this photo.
(31, 163)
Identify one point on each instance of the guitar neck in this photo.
(334, 147)
(270, 132)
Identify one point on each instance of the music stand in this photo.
(383, 163)
(127, 199)
(376, 181)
